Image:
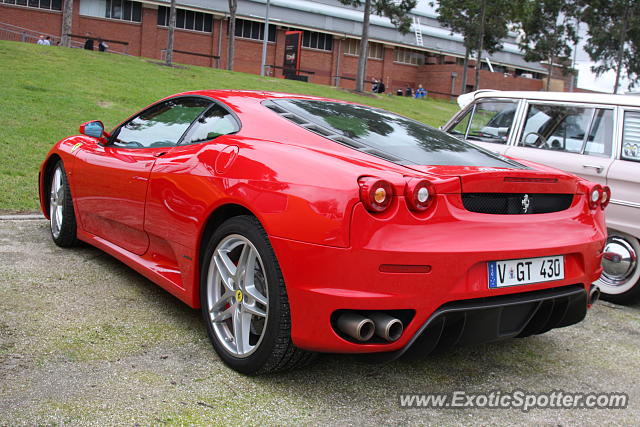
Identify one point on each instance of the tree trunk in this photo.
(172, 28)
(364, 48)
(233, 7)
(551, 57)
(465, 65)
(623, 36)
(67, 23)
(480, 44)
(265, 39)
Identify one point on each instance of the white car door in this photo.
(574, 138)
(624, 178)
(488, 123)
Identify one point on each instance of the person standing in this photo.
(420, 92)
(89, 44)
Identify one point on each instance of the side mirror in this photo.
(94, 128)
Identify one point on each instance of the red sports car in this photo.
(300, 224)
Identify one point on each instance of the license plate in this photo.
(514, 272)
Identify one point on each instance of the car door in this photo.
(489, 123)
(574, 138)
(624, 177)
(175, 206)
(112, 180)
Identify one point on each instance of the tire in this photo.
(249, 303)
(620, 280)
(62, 218)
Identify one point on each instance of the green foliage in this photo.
(548, 29)
(464, 17)
(614, 36)
(396, 11)
(47, 92)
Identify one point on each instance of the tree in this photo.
(548, 31)
(613, 37)
(482, 24)
(172, 27)
(233, 7)
(67, 15)
(397, 12)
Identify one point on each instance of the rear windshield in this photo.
(385, 134)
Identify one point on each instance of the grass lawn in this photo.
(48, 91)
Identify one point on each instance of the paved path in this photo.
(84, 340)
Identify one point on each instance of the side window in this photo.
(492, 121)
(215, 122)
(631, 136)
(161, 125)
(600, 137)
(556, 127)
(460, 128)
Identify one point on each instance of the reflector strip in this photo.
(399, 268)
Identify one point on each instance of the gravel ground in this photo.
(84, 340)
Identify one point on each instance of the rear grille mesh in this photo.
(516, 203)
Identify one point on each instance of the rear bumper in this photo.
(321, 279)
(495, 318)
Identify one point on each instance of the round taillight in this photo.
(595, 194)
(419, 194)
(375, 193)
(606, 197)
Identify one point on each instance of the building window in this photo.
(186, 19)
(409, 56)
(315, 40)
(376, 50)
(124, 10)
(254, 30)
(40, 4)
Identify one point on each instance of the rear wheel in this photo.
(620, 280)
(62, 218)
(244, 301)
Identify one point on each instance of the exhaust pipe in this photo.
(387, 327)
(594, 295)
(356, 326)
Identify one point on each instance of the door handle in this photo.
(598, 168)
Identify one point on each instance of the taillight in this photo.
(606, 197)
(375, 193)
(419, 194)
(595, 195)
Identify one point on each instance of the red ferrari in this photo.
(300, 224)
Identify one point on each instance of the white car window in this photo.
(556, 127)
(631, 136)
(600, 137)
(491, 121)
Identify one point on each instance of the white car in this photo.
(596, 136)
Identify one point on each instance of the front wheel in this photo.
(620, 279)
(244, 301)
(62, 218)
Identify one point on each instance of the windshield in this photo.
(385, 134)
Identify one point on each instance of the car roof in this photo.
(258, 95)
(583, 97)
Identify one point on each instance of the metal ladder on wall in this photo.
(418, 30)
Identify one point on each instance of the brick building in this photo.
(430, 55)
